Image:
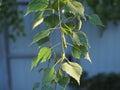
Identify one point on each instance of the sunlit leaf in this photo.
(38, 19)
(49, 76)
(42, 34)
(37, 5)
(52, 20)
(79, 24)
(34, 63)
(43, 55)
(95, 20)
(75, 7)
(73, 69)
(88, 57)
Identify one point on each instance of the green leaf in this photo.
(42, 34)
(79, 51)
(47, 88)
(68, 27)
(83, 39)
(67, 14)
(49, 76)
(79, 23)
(87, 57)
(42, 41)
(37, 5)
(95, 20)
(75, 38)
(36, 86)
(43, 55)
(70, 24)
(52, 20)
(39, 19)
(62, 80)
(80, 38)
(73, 69)
(75, 7)
(55, 4)
(34, 64)
(76, 53)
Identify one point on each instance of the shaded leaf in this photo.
(95, 20)
(76, 53)
(52, 20)
(42, 41)
(68, 27)
(75, 7)
(67, 14)
(73, 69)
(61, 2)
(49, 76)
(62, 80)
(46, 87)
(36, 86)
(83, 39)
(75, 38)
(37, 5)
(42, 34)
(80, 38)
(79, 51)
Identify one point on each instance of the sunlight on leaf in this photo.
(75, 7)
(73, 69)
(42, 34)
(43, 55)
(37, 5)
(88, 57)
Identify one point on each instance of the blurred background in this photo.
(16, 53)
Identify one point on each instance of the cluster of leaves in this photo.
(108, 10)
(10, 17)
(60, 15)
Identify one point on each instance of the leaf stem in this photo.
(62, 33)
(55, 45)
(69, 44)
